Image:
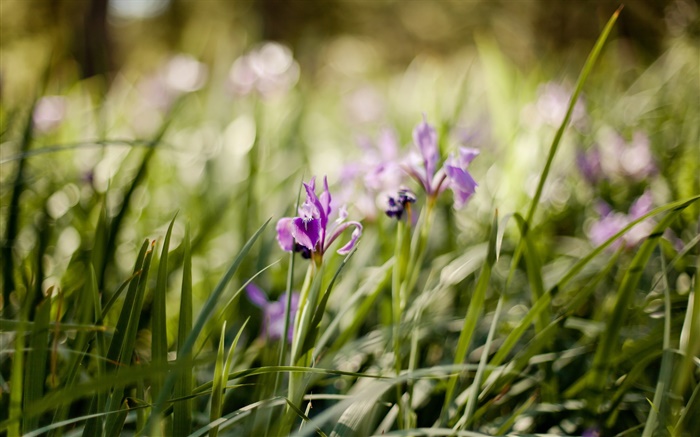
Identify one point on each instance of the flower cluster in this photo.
(308, 233)
(619, 159)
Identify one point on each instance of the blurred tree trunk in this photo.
(92, 45)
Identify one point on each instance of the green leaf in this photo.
(476, 305)
(35, 371)
(182, 410)
(159, 334)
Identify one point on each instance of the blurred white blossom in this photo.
(268, 70)
(49, 113)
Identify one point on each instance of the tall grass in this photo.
(460, 323)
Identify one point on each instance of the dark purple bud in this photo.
(397, 204)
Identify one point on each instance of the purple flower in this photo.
(454, 170)
(591, 432)
(273, 312)
(309, 230)
(589, 165)
(629, 160)
(612, 222)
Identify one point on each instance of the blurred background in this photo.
(244, 98)
(84, 38)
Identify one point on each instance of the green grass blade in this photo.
(159, 334)
(476, 305)
(478, 378)
(13, 214)
(120, 331)
(585, 72)
(35, 371)
(86, 313)
(182, 411)
(221, 371)
(217, 387)
(202, 318)
(129, 340)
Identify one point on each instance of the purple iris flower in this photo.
(454, 171)
(612, 222)
(309, 230)
(273, 312)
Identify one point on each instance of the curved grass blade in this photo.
(12, 225)
(159, 334)
(182, 411)
(476, 305)
(478, 378)
(202, 318)
(35, 371)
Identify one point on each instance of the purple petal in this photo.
(641, 206)
(467, 155)
(284, 234)
(425, 137)
(388, 145)
(353, 241)
(273, 326)
(307, 232)
(325, 200)
(256, 295)
(606, 227)
(462, 184)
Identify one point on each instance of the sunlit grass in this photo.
(129, 238)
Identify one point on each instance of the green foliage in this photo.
(457, 323)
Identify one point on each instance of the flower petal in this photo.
(462, 183)
(425, 137)
(339, 230)
(256, 295)
(307, 232)
(467, 155)
(284, 234)
(353, 241)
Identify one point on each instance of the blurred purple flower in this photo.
(612, 222)
(551, 105)
(589, 165)
(273, 312)
(375, 176)
(631, 160)
(591, 432)
(49, 112)
(268, 70)
(308, 233)
(454, 171)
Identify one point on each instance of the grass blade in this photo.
(182, 411)
(159, 334)
(471, 318)
(35, 371)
